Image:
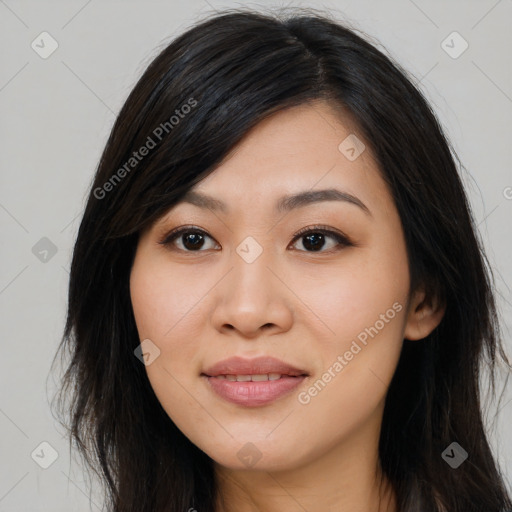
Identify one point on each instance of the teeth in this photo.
(259, 377)
(248, 378)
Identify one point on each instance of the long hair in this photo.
(195, 101)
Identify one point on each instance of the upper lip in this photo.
(256, 366)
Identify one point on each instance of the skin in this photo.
(303, 306)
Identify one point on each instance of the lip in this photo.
(255, 366)
(253, 393)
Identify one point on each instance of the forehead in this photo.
(310, 147)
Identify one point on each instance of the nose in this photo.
(252, 299)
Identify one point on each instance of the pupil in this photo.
(317, 242)
(196, 240)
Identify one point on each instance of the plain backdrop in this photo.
(57, 111)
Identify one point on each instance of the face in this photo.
(320, 284)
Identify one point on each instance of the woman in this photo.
(277, 298)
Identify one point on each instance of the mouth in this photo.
(262, 368)
(253, 382)
(239, 390)
(253, 378)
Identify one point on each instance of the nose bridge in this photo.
(250, 279)
(251, 296)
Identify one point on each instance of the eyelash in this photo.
(341, 239)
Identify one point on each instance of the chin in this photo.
(257, 456)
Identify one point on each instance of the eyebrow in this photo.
(284, 203)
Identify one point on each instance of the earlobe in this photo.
(423, 317)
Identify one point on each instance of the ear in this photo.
(424, 315)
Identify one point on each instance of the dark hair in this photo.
(232, 71)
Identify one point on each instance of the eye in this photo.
(314, 239)
(192, 239)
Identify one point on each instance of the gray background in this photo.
(56, 114)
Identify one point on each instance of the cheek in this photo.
(159, 313)
(351, 297)
(165, 309)
(359, 360)
(162, 299)
(363, 304)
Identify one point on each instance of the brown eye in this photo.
(187, 239)
(314, 239)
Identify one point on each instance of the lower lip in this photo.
(253, 394)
